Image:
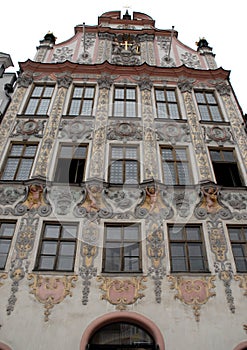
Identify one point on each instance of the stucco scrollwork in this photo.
(122, 292)
(242, 282)
(3, 276)
(51, 290)
(194, 292)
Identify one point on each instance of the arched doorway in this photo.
(131, 331)
(121, 336)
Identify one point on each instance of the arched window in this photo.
(121, 336)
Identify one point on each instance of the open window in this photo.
(71, 164)
(226, 168)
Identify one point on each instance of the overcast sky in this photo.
(223, 23)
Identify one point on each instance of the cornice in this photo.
(106, 67)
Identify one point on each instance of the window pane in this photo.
(10, 169)
(43, 107)
(75, 107)
(67, 248)
(89, 92)
(200, 97)
(46, 262)
(116, 174)
(80, 152)
(162, 111)
(215, 155)
(65, 263)
(228, 156)
(171, 97)
(130, 109)
(24, 169)
(131, 172)
(117, 152)
(131, 233)
(16, 150)
(195, 250)
(175, 233)
(69, 231)
(235, 233)
(77, 92)
(66, 152)
(210, 98)
(193, 233)
(7, 229)
(119, 108)
(131, 153)
(196, 264)
(48, 91)
(166, 154)
(4, 246)
(49, 248)
(52, 231)
(31, 107)
(30, 150)
(131, 264)
(87, 107)
(177, 249)
(119, 93)
(173, 111)
(37, 91)
(204, 112)
(215, 113)
(113, 233)
(130, 94)
(160, 96)
(179, 264)
(241, 264)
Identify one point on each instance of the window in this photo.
(82, 101)
(167, 104)
(58, 247)
(125, 104)
(225, 167)
(71, 164)
(40, 100)
(187, 250)
(6, 234)
(208, 106)
(238, 237)
(121, 335)
(122, 252)
(175, 166)
(19, 162)
(124, 166)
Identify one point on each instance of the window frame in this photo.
(59, 241)
(186, 242)
(20, 159)
(242, 242)
(124, 160)
(125, 101)
(123, 255)
(81, 100)
(7, 238)
(208, 105)
(57, 169)
(175, 161)
(40, 98)
(233, 170)
(166, 102)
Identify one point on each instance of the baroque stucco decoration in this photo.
(122, 202)
(76, 129)
(217, 134)
(210, 203)
(124, 131)
(190, 60)
(10, 194)
(153, 203)
(242, 282)
(126, 50)
(156, 253)
(4, 277)
(51, 290)
(89, 251)
(93, 205)
(122, 292)
(194, 292)
(28, 128)
(172, 132)
(23, 247)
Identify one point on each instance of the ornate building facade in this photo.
(123, 206)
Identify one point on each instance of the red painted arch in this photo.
(4, 347)
(123, 316)
(241, 346)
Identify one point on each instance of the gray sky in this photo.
(223, 23)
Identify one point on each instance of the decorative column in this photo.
(8, 121)
(150, 157)
(236, 122)
(52, 127)
(99, 139)
(104, 47)
(185, 85)
(147, 49)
